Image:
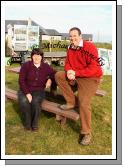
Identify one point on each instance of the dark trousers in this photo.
(31, 110)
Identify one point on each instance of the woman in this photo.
(34, 77)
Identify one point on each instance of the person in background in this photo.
(81, 67)
(34, 77)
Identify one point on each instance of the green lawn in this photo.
(52, 139)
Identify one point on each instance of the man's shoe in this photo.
(84, 139)
(66, 107)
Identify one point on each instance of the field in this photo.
(52, 139)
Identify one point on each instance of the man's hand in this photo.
(29, 97)
(71, 74)
(71, 77)
(48, 83)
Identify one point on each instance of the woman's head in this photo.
(36, 55)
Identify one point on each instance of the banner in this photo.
(106, 55)
(25, 37)
(33, 36)
(20, 38)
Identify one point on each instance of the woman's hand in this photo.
(29, 97)
(48, 83)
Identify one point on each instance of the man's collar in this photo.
(72, 46)
(81, 43)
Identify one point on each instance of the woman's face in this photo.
(36, 59)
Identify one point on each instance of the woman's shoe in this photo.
(34, 129)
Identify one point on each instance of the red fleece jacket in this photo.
(84, 61)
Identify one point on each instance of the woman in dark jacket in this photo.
(34, 77)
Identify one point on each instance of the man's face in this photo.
(74, 37)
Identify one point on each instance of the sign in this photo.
(25, 37)
(106, 55)
(33, 36)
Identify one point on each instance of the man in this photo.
(81, 66)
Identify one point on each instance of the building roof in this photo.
(65, 36)
(87, 37)
(43, 31)
(53, 32)
(55, 54)
(24, 22)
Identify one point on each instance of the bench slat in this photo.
(14, 70)
(47, 106)
(53, 107)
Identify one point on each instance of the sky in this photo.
(91, 19)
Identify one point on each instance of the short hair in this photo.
(75, 28)
(37, 51)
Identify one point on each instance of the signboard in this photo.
(106, 55)
(33, 36)
(20, 38)
(25, 37)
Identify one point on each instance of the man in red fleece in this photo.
(82, 66)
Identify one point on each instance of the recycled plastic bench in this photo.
(49, 107)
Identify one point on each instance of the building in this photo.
(42, 30)
(45, 34)
(52, 35)
(87, 37)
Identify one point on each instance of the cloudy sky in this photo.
(92, 18)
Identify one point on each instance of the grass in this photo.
(52, 139)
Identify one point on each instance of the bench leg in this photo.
(59, 117)
(63, 121)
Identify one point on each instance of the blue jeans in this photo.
(31, 110)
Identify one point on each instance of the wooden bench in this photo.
(46, 105)
(14, 70)
(17, 69)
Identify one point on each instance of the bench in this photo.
(14, 69)
(17, 69)
(61, 115)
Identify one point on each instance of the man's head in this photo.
(75, 36)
